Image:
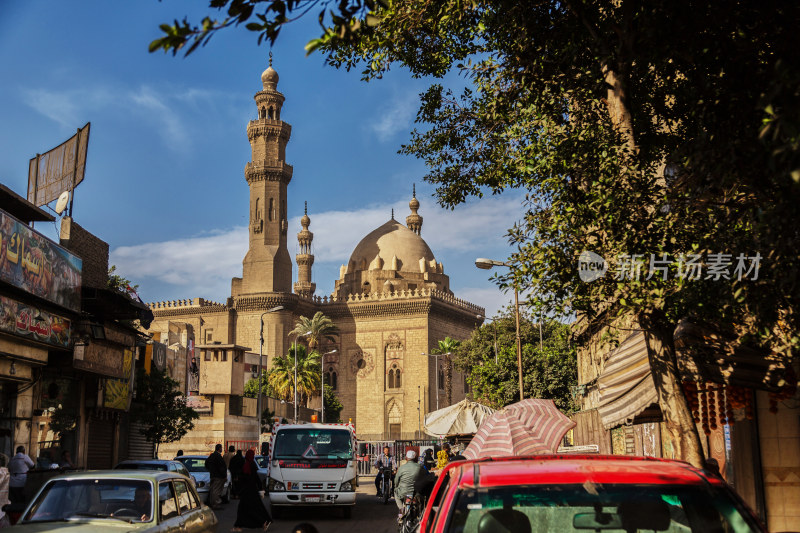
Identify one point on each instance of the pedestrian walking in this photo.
(228, 456)
(251, 512)
(18, 467)
(237, 463)
(218, 473)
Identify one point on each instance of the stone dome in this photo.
(269, 78)
(392, 240)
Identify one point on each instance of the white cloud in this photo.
(203, 265)
(472, 227)
(173, 130)
(68, 108)
(200, 266)
(491, 298)
(395, 117)
(169, 110)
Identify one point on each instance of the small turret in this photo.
(414, 220)
(305, 259)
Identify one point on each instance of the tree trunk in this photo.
(671, 398)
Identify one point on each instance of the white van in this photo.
(313, 465)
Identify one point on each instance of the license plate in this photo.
(311, 498)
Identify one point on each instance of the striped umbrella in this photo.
(528, 427)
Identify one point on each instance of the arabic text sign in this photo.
(35, 264)
(58, 170)
(33, 323)
(201, 404)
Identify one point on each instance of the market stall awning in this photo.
(463, 418)
(626, 385)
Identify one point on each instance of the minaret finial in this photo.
(270, 58)
(393, 213)
(414, 221)
(305, 211)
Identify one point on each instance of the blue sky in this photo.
(165, 180)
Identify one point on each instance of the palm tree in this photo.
(447, 347)
(316, 329)
(281, 376)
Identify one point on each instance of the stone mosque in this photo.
(392, 302)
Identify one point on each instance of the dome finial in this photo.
(269, 78)
(413, 190)
(305, 209)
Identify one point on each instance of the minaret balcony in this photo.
(268, 127)
(269, 170)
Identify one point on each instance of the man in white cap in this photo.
(406, 478)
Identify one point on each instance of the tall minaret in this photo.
(267, 267)
(414, 221)
(305, 259)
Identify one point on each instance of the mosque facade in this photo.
(392, 302)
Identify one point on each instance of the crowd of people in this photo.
(416, 475)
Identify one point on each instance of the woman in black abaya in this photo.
(251, 512)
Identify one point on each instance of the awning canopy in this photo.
(626, 385)
(463, 418)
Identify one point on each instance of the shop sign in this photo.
(34, 323)
(35, 264)
(201, 404)
(117, 392)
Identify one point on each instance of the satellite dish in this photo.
(61, 204)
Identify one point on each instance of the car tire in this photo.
(347, 512)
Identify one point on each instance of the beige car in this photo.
(118, 500)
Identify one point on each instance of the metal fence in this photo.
(368, 452)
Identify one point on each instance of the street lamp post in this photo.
(487, 264)
(295, 372)
(436, 355)
(322, 375)
(260, 370)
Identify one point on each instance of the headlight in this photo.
(201, 483)
(348, 486)
(275, 485)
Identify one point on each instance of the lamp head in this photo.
(483, 263)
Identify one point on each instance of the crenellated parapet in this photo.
(189, 302)
(190, 306)
(412, 294)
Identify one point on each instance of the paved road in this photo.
(369, 515)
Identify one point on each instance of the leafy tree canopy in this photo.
(658, 129)
(333, 407)
(490, 359)
(161, 408)
(315, 330)
(282, 374)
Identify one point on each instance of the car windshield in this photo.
(66, 500)
(194, 464)
(141, 466)
(593, 507)
(262, 461)
(313, 444)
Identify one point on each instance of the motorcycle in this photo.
(386, 484)
(413, 504)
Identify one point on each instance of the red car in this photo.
(582, 493)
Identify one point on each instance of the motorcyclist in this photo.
(407, 477)
(384, 461)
